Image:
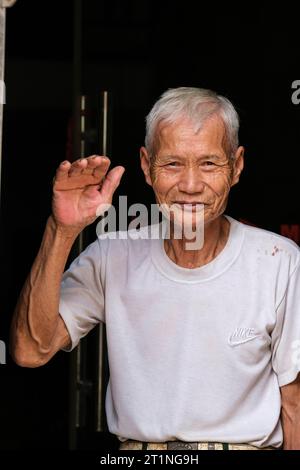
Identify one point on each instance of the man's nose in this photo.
(191, 181)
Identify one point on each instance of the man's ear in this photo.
(238, 165)
(145, 164)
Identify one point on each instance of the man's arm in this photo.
(290, 415)
(37, 330)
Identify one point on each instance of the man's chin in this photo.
(187, 227)
(192, 226)
(184, 216)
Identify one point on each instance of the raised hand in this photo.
(82, 190)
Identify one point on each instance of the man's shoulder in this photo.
(262, 236)
(270, 243)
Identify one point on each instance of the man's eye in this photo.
(172, 164)
(208, 163)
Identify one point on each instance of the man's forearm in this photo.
(290, 415)
(36, 315)
(291, 431)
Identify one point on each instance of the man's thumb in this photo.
(112, 181)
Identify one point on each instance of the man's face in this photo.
(191, 168)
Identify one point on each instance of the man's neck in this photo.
(215, 237)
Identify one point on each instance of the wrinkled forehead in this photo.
(185, 132)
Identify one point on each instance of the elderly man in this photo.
(202, 343)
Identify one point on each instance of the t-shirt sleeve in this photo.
(82, 297)
(286, 334)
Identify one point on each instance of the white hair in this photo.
(197, 104)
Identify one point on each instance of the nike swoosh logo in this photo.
(235, 342)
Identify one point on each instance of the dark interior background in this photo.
(136, 49)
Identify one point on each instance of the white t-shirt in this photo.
(194, 354)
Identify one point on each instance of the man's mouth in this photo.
(190, 206)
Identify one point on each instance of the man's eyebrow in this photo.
(211, 156)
